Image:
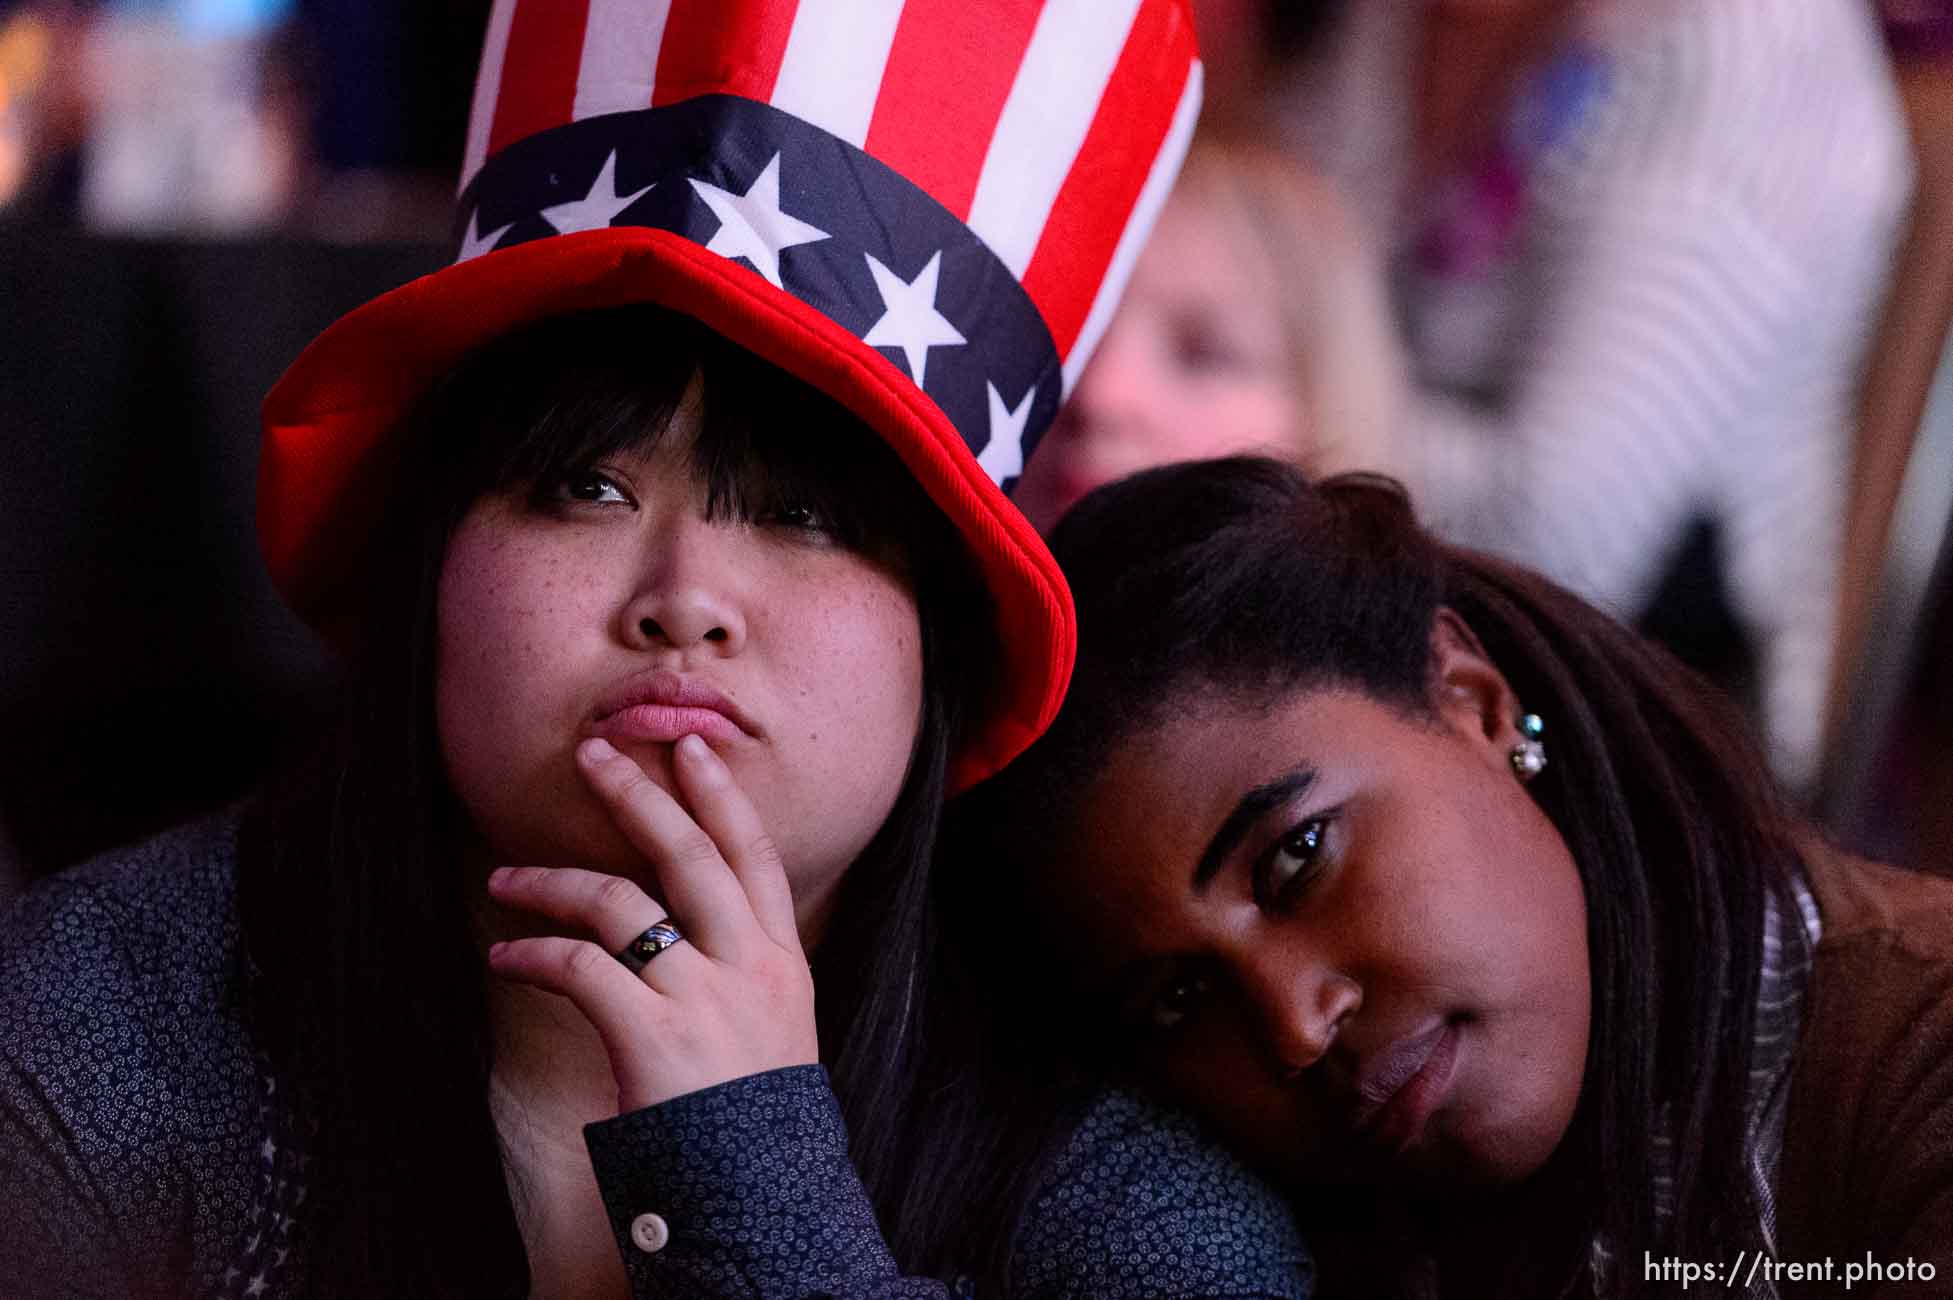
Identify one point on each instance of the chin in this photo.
(582, 842)
(1500, 1157)
(577, 832)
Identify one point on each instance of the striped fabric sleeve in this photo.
(1669, 376)
(1652, 335)
(1702, 269)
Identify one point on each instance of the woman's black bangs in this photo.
(561, 397)
(595, 400)
(581, 429)
(770, 443)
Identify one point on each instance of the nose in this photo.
(1113, 391)
(690, 594)
(1301, 1003)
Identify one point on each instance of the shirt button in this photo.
(649, 1233)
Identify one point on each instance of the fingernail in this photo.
(596, 750)
(496, 950)
(694, 748)
(499, 876)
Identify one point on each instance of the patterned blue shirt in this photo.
(146, 1147)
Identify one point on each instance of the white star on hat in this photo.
(596, 209)
(1003, 456)
(473, 244)
(752, 226)
(910, 320)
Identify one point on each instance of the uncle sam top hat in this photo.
(925, 208)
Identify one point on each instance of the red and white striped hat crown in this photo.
(925, 208)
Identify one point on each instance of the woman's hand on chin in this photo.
(734, 996)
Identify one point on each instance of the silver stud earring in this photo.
(1529, 755)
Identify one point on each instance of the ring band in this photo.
(637, 954)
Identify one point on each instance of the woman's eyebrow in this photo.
(1254, 805)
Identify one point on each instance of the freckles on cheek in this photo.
(504, 614)
(873, 635)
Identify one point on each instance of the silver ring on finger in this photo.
(637, 954)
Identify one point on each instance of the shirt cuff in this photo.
(742, 1189)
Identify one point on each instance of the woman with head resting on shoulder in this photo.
(1468, 917)
(663, 537)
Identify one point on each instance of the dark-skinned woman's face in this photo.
(1344, 934)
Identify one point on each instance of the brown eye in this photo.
(1293, 860)
(593, 487)
(796, 515)
(810, 521)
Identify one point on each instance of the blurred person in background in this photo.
(1249, 48)
(388, 88)
(43, 110)
(23, 68)
(188, 132)
(1255, 320)
(227, 118)
(1636, 247)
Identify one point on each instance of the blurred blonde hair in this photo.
(1348, 365)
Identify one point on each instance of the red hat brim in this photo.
(329, 422)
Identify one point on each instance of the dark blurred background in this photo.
(189, 192)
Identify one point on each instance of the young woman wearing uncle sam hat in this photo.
(665, 539)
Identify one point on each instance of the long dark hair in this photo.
(367, 989)
(1242, 575)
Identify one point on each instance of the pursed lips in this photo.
(1382, 1077)
(1352, 1088)
(664, 706)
